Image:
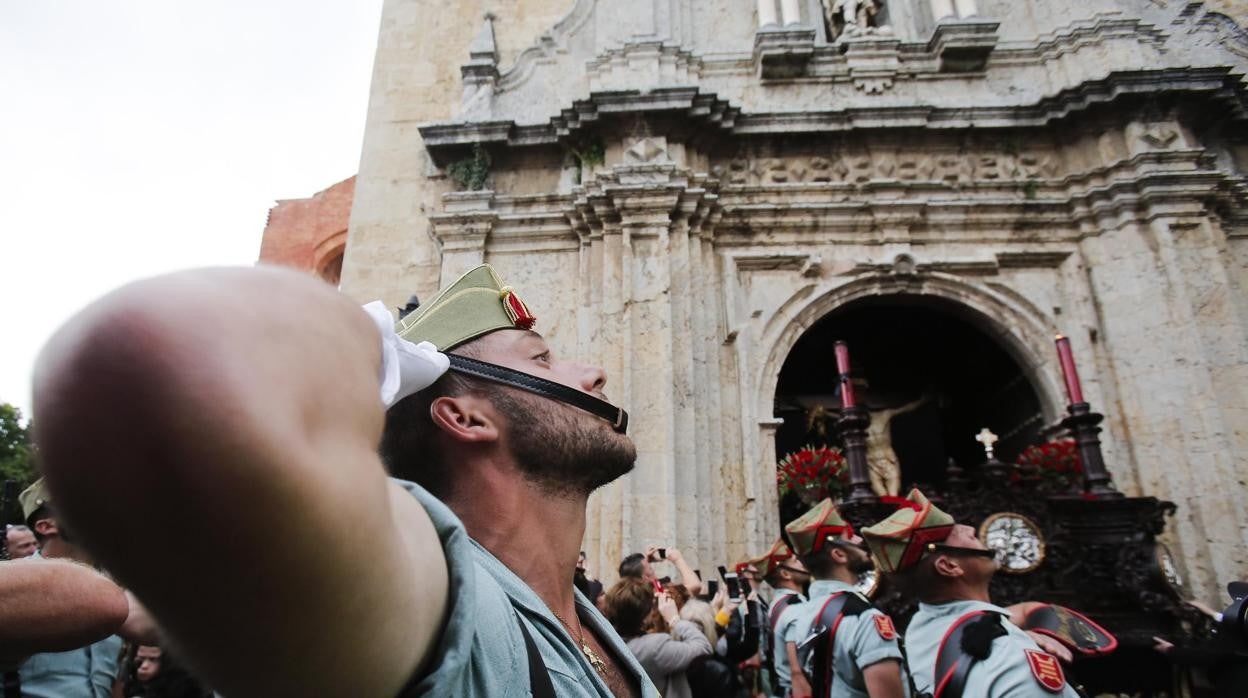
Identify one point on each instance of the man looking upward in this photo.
(856, 654)
(959, 643)
(189, 412)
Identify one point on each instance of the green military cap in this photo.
(33, 497)
(811, 530)
(756, 562)
(899, 541)
(476, 304)
(775, 557)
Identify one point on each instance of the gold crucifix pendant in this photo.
(594, 660)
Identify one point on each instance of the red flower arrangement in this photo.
(1057, 463)
(813, 474)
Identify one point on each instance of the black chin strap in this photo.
(958, 550)
(549, 389)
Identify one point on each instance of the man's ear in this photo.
(46, 527)
(838, 555)
(947, 566)
(466, 418)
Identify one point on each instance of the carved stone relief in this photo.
(861, 167)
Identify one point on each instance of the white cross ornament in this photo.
(988, 439)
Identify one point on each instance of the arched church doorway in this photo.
(924, 366)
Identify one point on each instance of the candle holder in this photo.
(1083, 423)
(853, 424)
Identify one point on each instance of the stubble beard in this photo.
(560, 449)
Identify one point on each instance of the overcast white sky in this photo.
(143, 136)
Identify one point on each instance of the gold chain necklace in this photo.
(594, 660)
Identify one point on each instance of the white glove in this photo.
(405, 367)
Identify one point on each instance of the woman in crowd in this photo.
(153, 673)
(663, 643)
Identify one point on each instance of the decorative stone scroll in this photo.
(862, 167)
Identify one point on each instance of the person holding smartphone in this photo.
(651, 625)
(641, 566)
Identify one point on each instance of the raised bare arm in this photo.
(55, 606)
(211, 437)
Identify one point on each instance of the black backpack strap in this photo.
(968, 640)
(12, 684)
(539, 676)
(777, 609)
(905, 667)
(776, 654)
(823, 635)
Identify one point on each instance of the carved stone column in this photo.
(767, 13)
(462, 231)
(790, 12)
(966, 8)
(942, 9)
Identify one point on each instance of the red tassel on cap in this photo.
(517, 311)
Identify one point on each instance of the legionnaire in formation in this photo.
(786, 574)
(959, 644)
(837, 644)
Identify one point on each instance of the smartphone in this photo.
(662, 553)
(712, 588)
(731, 583)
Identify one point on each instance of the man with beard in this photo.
(190, 412)
(848, 649)
(959, 643)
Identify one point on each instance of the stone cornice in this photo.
(709, 113)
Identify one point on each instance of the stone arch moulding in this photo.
(1024, 333)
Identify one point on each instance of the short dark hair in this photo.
(921, 581)
(43, 511)
(633, 566)
(819, 562)
(411, 444)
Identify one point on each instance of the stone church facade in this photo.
(682, 189)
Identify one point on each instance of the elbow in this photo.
(113, 611)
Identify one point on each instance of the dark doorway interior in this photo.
(906, 348)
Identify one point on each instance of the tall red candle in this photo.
(1073, 390)
(842, 369)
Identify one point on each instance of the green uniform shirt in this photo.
(859, 642)
(481, 651)
(1006, 673)
(779, 653)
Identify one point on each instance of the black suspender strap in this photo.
(539, 677)
(967, 641)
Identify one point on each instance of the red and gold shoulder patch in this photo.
(1046, 669)
(884, 626)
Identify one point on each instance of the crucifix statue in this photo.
(884, 469)
(988, 440)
